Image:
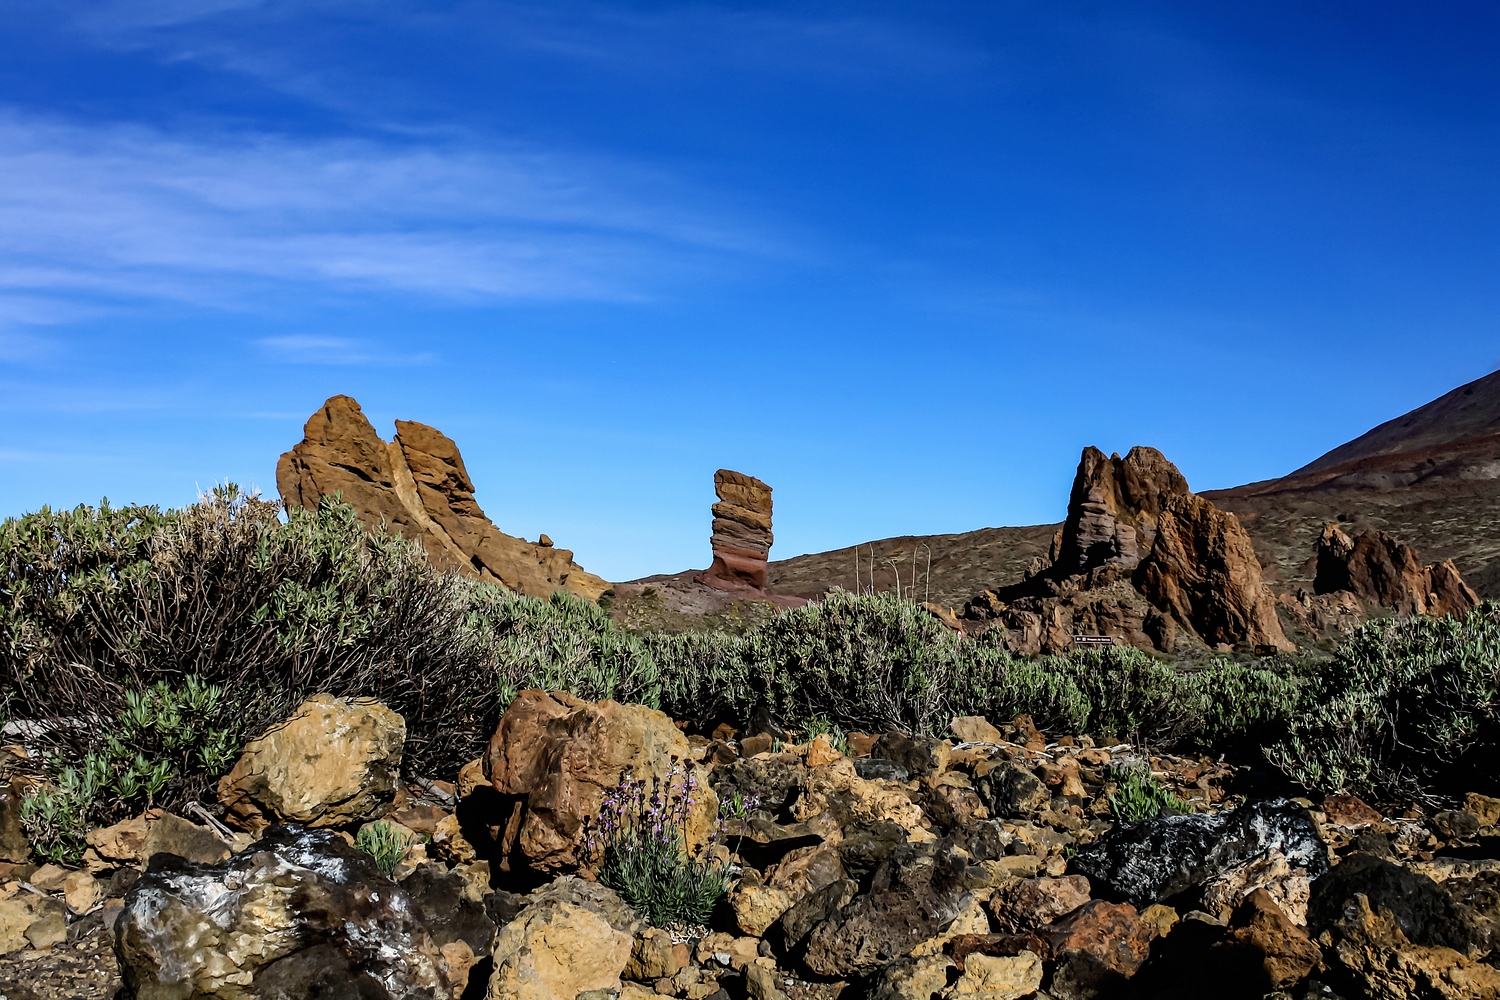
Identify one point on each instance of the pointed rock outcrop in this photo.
(1202, 569)
(418, 485)
(1378, 568)
(1113, 508)
(1139, 557)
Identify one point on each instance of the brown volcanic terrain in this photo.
(961, 564)
(1430, 477)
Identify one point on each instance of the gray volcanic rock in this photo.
(1157, 859)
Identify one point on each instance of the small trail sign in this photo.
(1093, 640)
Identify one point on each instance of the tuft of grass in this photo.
(1138, 795)
(385, 843)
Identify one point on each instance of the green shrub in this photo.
(150, 645)
(1407, 707)
(1138, 795)
(56, 817)
(98, 602)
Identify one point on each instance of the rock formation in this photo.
(1378, 568)
(1203, 571)
(1140, 558)
(742, 533)
(1113, 508)
(417, 485)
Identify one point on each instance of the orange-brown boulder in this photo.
(559, 755)
(417, 485)
(1202, 569)
(1383, 570)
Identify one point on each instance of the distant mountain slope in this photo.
(1467, 416)
(1430, 477)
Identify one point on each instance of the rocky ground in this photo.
(999, 862)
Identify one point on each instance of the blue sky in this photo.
(900, 260)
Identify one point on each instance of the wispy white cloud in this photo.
(132, 213)
(310, 349)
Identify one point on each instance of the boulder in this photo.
(560, 755)
(1011, 792)
(741, 534)
(771, 784)
(655, 956)
(1155, 860)
(757, 907)
(299, 914)
(1204, 572)
(418, 485)
(919, 757)
(1027, 904)
(915, 896)
(573, 937)
(452, 906)
(1411, 902)
(1282, 950)
(1378, 568)
(800, 920)
(124, 842)
(335, 761)
(27, 919)
(171, 834)
(975, 729)
(921, 978)
(1369, 946)
(999, 977)
(1096, 949)
(839, 791)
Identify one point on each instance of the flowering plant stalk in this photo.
(638, 842)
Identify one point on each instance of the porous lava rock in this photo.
(1157, 859)
(741, 533)
(914, 896)
(299, 914)
(1378, 568)
(558, 755)
(418, 485)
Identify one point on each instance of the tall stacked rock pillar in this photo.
(742, 533)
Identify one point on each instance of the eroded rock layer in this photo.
(742, 532)
(417, 485)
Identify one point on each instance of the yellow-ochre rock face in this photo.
(418, 485)
(335, 761)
